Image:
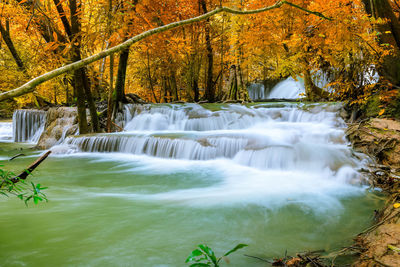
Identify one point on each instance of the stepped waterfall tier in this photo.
(297, 145)
(276, 176)
(28, 125)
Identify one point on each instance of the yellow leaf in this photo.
(396, 205)
(381, 112)
(55, 37)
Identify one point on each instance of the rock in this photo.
(60, 123)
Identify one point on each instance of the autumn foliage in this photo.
(173, 65)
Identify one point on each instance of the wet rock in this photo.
(60, 123)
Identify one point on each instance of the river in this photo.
(276, 176)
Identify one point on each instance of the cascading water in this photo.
(28, 125)
(289, 89)
(260, 148)
(6, 131)
(285, 89)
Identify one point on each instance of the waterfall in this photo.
(285, 89)
(6, 131)
(292, 137)
(288, 89)
(28, 125)
(257, 91)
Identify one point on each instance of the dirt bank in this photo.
(380, 138)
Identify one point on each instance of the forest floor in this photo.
(380, 139)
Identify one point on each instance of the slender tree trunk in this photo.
(78, 74)
(82, 76)
(5, 33)
(111, 87)
(110, 96)
(173, 85)
(210, 89)
(150, 78)
(121, 76)
(90, 100)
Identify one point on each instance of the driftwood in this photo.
(30, 169)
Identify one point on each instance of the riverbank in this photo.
(380, 139)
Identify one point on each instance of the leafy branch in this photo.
(23, 190)
(205, 256)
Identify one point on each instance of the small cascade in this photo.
(6, 131)
(288, 89)
(28, 125)
(257, 91)
(260, 91)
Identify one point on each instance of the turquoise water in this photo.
(297, 192)
(81, 227)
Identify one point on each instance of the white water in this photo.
(294, 89)
(286, 89)
(6, 132)
(289, 89)
(263, 155)
(28, 125)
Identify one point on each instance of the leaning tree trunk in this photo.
(10, 44)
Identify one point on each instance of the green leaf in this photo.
(240, 246)
(200, 265)
(209, 252)
(195, 253)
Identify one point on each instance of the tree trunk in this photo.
(173, 86)
(121, 77)
(150, 78)
(210, 88)
(313, 92)
(78, 73)
(7, 39)
(389, 34)
(90, 100)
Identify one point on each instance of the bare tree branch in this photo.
(30, 86)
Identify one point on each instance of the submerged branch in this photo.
(30, 169)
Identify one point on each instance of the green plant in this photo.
(13, 185)
(205, 256)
